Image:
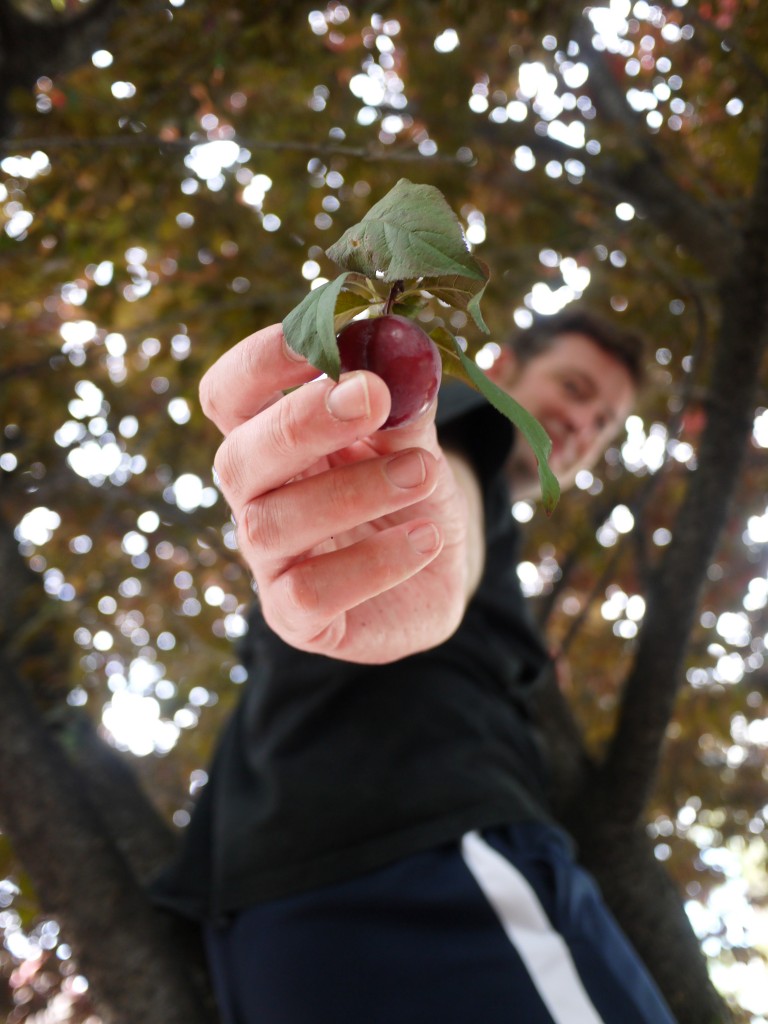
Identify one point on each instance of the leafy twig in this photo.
(396, 290)
(142, 140)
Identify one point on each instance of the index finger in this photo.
(250, 376)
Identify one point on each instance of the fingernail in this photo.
(349, 400)
(289, 352)
(424, 538)
(406, 470)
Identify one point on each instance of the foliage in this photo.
(407, 253)
(178, 190)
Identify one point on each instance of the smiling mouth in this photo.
(563, 454)
(558, 441)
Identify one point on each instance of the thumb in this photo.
(418, 433)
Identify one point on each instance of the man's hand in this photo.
(364, 545)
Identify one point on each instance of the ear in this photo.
(504, 369)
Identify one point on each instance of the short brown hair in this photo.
(624, 344)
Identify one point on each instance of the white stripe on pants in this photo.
(541, 948)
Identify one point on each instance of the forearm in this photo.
(469, 486)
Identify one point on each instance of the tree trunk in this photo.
(126, 949)
(635, 885)
(85, 832)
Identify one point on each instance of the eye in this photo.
(575, 389)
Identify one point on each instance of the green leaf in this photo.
(449, 354)
(473, 308)
(410, 304)
(309, 327)
(347, 299)
(456, 364)
(348, 306)
(411, 232)
(460, 293)
(359, 284)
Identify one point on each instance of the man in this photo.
(374, 845)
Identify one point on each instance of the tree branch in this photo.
(43, 808)
(84, 801)
(139, 140)
(730, 41)
(632, 177)
(31, 48)
(629, 770)
(642, 174)
(622, 860)
(133, 824)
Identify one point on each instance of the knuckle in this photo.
(207, 396)
(249, 356)
(264, 527)
(330, 638)
(284, 428)
(300, 599)
(295, 613)
(228, 465)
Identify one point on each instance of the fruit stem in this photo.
(394, 291)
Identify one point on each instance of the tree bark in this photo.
(650, 910)
(635, 885)
(85, 832)
(604, 807)
(629, 771)
(124, 946)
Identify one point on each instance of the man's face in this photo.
(579, 393)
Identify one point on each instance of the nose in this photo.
(584, 422)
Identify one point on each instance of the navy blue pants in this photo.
(500, 927)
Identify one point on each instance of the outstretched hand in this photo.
(364, 544)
